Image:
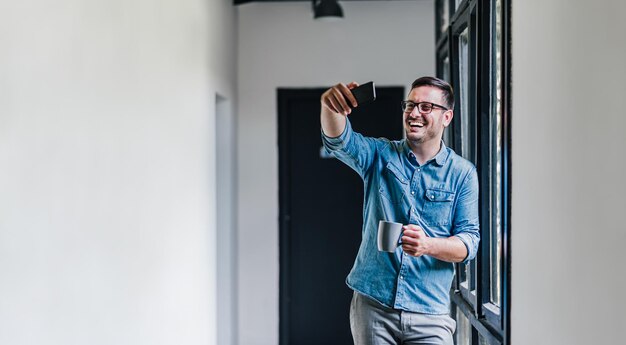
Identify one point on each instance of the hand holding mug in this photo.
(415, 242)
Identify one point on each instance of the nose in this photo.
(414, 113)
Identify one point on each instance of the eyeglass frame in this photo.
(433, 105)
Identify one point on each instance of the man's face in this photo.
(421, 127)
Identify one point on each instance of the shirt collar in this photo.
(440, 159)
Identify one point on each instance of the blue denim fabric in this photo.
(441, 196)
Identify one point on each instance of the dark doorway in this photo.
(321, 202)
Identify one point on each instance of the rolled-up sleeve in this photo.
(466, 220)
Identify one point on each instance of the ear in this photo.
(447, 117)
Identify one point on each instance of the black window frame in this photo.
(488, 320)
(465, 19)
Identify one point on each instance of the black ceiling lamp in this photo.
(327, 9)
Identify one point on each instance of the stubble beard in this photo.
(419, 139)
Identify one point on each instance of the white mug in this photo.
(389, 234)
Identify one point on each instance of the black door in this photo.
(321, 202)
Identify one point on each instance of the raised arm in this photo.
(336, 103)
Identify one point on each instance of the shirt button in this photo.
(418, 169)
(401, 277)
(412, 192)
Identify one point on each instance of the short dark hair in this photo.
(448, 93)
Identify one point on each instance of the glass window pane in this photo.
(463, 275)
(464, 103)
(467, 280)
(444, 15)
(468, 140)
(496, 226)
(482, 340)
(463, 333)
(462, 94)
(472, 268)
(456, 4)
(447, 135)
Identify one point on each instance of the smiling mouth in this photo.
(415, 124)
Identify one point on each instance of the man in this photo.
(403, 297)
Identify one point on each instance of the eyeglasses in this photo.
(422, 107)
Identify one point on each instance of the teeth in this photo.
(415, 124)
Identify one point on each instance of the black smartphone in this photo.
(365, 93)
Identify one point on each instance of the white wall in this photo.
(568, 118)
(280, 45)
(107, 169)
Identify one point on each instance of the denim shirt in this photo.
(441, 196)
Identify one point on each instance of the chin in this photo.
(415, 137)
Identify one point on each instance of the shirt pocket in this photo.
(437, 206)
(393, 185)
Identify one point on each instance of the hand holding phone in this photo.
(343, 98)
